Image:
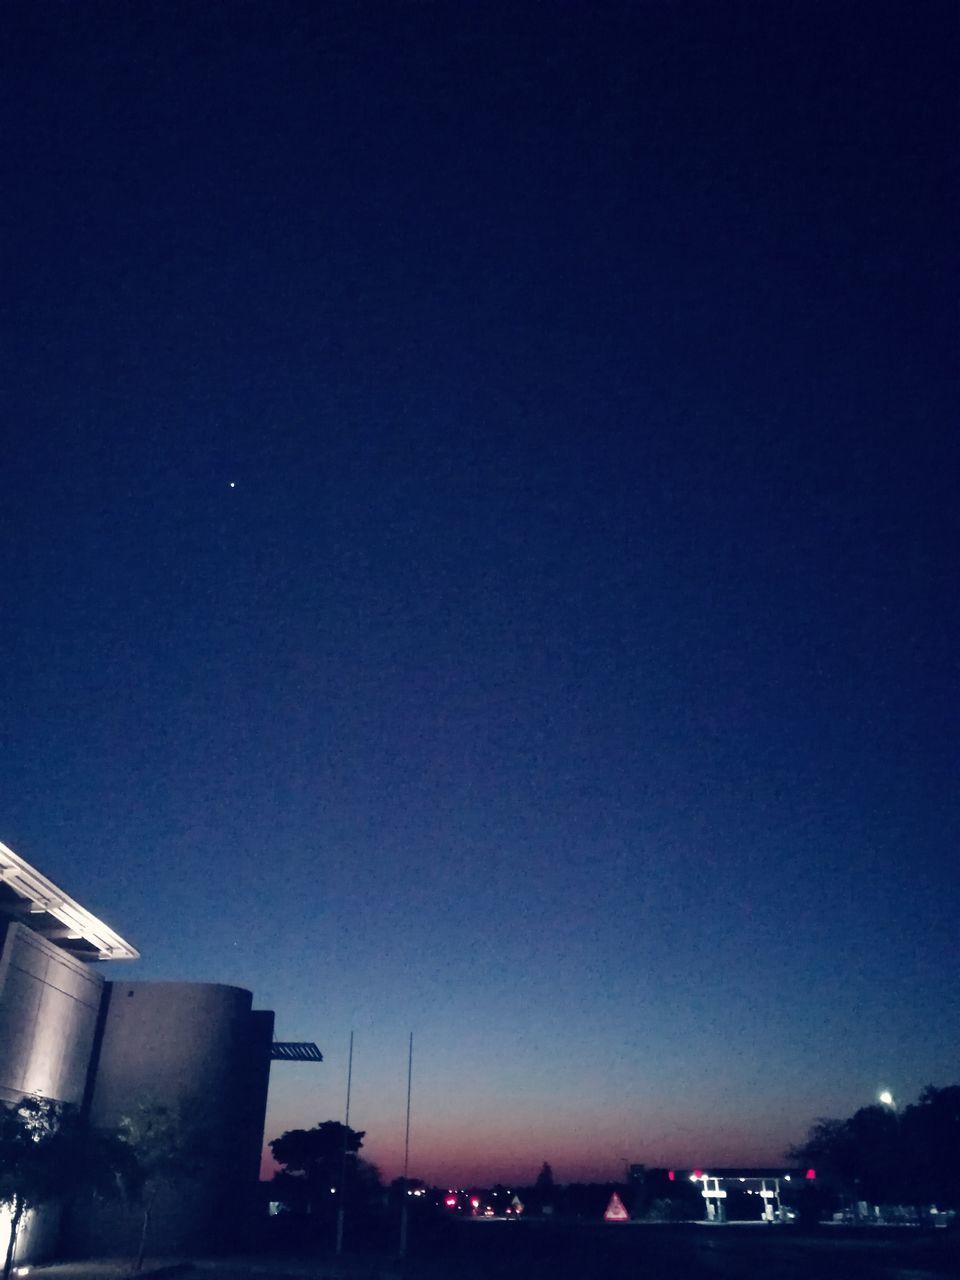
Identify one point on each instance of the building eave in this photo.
(55, 914)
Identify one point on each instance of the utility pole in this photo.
(406, 1156)
(343, 1162)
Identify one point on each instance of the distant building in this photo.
(68, 1034)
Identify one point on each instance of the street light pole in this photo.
(406, 1156)
(343, 1162)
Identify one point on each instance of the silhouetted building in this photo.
(68, 1034)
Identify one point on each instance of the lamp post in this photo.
(341, 1208)
(406, 1156)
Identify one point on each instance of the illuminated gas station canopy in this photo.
(28, 895)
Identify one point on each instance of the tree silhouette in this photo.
(323, 1162)
(48, 1154)
(164, 1153)
(861, 1154)
(931, 1141)
(28, 1164)
(882, 1155)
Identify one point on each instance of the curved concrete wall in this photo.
(49, 1004)
(201, 1051)
(176, 1042)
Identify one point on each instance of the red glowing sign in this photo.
(616, 1210)
(671, 1175)
(810, 1174)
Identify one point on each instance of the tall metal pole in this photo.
(406, 1155)
(343, 1162)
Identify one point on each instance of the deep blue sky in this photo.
(570, 676)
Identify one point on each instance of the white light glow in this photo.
(26, 1224)
(6, 1216)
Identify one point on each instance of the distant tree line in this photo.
(880, 1155)
(887, 1156)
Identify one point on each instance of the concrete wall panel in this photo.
(49, 1002)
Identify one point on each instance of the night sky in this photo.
(479, 541)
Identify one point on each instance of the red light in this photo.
(671, 1175)
(474, 1202)
(450, 1201)
(698, 1173)
(810, 1174)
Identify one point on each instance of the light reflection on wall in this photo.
(49, 1002)
(27, 1224)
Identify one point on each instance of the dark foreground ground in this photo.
(527, 1251)
(521, 1251)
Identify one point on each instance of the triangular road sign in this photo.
(616, 1210)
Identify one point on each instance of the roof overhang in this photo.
(27, 895)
